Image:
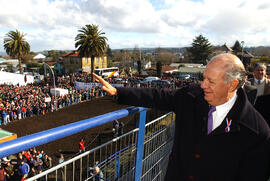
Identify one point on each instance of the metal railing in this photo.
(141, 154)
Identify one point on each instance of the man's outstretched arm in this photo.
(106, 86)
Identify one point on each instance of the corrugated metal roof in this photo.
(191, 69)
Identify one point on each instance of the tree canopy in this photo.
(237, 47)
(91, 43)
(16, 46)
(200, 50)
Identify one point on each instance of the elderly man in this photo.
(96, 173)
(260, 80)
(219, 136)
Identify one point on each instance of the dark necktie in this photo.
(210, 119)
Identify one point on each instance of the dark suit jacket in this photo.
(242, 154)
(266, 86)
(263, 106)
(251, 92)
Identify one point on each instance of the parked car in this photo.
(150, 79)
(160, 82)
(184, 76)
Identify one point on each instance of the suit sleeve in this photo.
(150, 97)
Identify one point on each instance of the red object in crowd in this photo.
(81, 144)
(27, 155)
(23, 109)
(25, 78)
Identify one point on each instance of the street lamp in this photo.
(53, 79)
(242, 42)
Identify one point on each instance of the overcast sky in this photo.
(54, 24)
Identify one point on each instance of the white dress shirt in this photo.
(221, 111)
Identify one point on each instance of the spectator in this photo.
(23, 170)
(260, 80)
(47, 162)
(121, 129)
(115, 128)
(81, 145)
(9, 171)
(96, 173)
(2, 173)
(61, 158)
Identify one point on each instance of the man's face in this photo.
(216, 91)
(259, 73)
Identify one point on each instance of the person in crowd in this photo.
(10, 171)
(47, 161)
(2, 173)
(39, 163)
(81, 145)
(121, 129)
(4, 116)
(115, 128)
(61, 159)
(23, 170)
(218, 134)
(96, 173)
(260, 79)
(251, 91)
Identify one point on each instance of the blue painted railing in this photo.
(40, 138)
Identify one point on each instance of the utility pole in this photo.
(242, 42)
(53, 79)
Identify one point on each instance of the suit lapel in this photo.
(231, 121)
(266, 87)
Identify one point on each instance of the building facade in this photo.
(74, 63)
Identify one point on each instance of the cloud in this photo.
(55, 24)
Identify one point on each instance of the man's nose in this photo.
(203, 84)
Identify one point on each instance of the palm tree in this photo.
(16, 46)
(91, 43)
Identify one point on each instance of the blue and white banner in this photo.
(89, 85)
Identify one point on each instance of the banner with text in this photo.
(89, 85)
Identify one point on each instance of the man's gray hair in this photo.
(233, 72)
(234, 69)
(257, 65)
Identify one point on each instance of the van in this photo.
(150, 79)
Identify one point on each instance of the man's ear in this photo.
(234, 83)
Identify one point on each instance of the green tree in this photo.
(165, 57)
(109, 52)
(110, 63)
(139, 67)
(159, 68)
(16, 46)
(200, 50)
(91, 43)
(55, 54)
(237, 47)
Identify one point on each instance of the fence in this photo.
(141, 154)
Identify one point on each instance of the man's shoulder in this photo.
(267, 81)
(250, 81)
(255, 121)
(193, 90)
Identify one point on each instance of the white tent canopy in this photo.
(39, 56)
(14, 79)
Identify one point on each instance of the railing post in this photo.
(139, 146)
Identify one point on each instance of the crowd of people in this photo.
(24, 165)
(18, 102)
